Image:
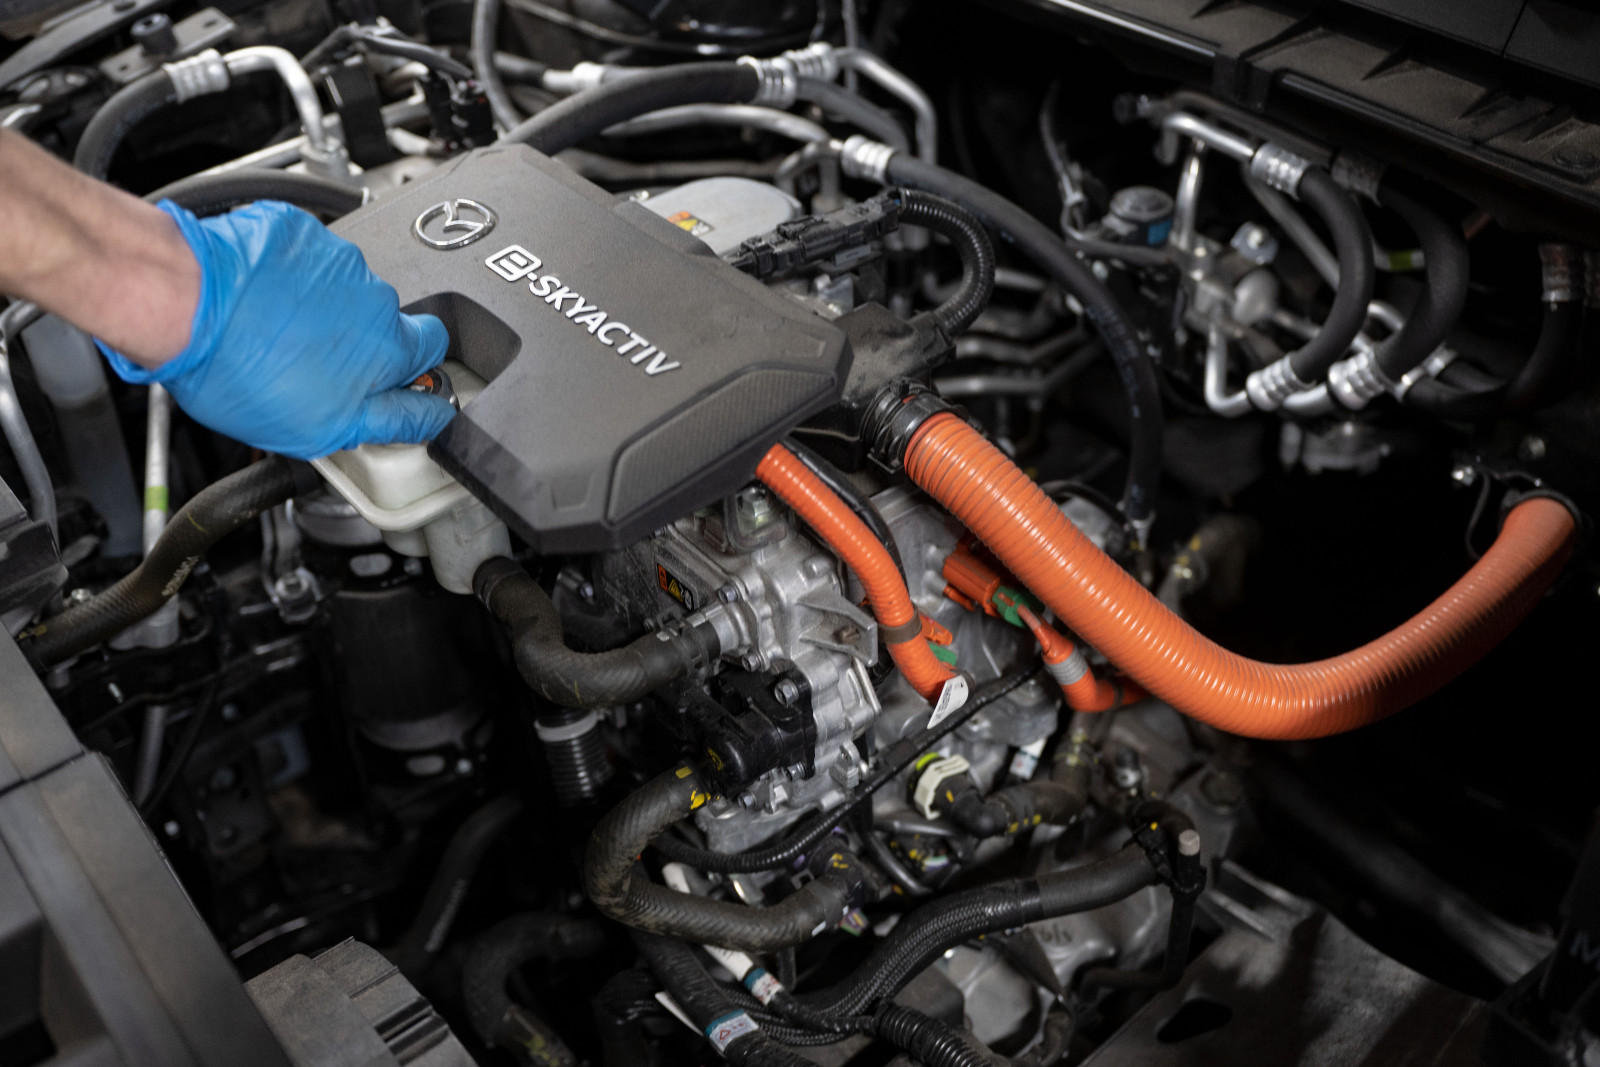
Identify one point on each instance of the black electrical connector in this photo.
(814, 238)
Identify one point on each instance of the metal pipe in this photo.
(747, 116)
(1181, 123)
(323, 150)
(287, 153)
(161, 628)
(1187, 202)
(1218, 399)
(891, 81)
(41, 491)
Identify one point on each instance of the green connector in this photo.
(1006, 599)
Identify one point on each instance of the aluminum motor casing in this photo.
(633, 376)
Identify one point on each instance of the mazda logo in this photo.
(453, 224)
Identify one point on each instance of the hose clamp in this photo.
(567, 731)
(1270, 386)
(1356, 381)
(1068, 671)
(1359, 173)
(862, 157)
(777, 83)
(896, 413)
(1279, 168)
(1559, 270)
(199, 75)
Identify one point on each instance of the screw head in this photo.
(1531, 447)
(79, 596)
(1462, 474)
(170, 828)
(751, 661)
(728, 593)
(786, 691)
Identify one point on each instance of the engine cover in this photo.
(633, 376)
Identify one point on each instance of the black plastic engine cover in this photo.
(633, 376)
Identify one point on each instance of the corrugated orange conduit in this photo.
(848, 536)
(1105, 606)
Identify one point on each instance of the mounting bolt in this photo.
(1462, 474)
(170, 828)
(728, 593)
(1532, 447)
(1126, 773)
(786, 692)
(751, 661)
(79, 595)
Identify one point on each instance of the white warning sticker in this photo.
(724, 1031)
(951, 699)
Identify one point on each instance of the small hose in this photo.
(583, 679)
(497, 954)
(213, 194)
(1552, 355)
(210, 515)
(853, 498)
(927, 1040)
(925, 934)
(457, 865)
(1358, 274)
(587, 114)
(485, 28)
(126, 108)
(962, 308)
(622, 893)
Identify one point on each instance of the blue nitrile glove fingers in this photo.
(296, 347)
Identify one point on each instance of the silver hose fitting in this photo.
(1270, 386)
(816, 60)
(1559, 268)
(1278, 168)
(862, 157)
(1358, 380)
(778, 83)
(199, 75)
(323, 153)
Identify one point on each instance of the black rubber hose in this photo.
(213, 194)
(435, 59)
(498, 953)
(857, 502)
(927, 1040)
(458, 864)
(622, 893)
(520, 70)
(900, 755)
(1552, 356)
(591, 112)
(1012, 810)
(485, 28)
(705, 1002)
(962, 308)
(1461, 393)
(1448, 270)
(1036, 241)
(929, 931)
(1180, 932)
(1352, 244)
(126, 108)
(583, 679)
(210, 515)
(859, 112)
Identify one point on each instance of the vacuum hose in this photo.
(1111, 611)
(126, 108)
(589, 113)
(583, 679)
(898, 620)
(624, 894)
(209, 516)
(972, 244)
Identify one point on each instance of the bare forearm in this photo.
(103, 260)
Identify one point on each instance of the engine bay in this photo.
(1024, 533)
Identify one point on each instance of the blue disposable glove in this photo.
(296, 347)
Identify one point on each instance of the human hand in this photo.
(296, 347)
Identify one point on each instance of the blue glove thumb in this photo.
(401, 416)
